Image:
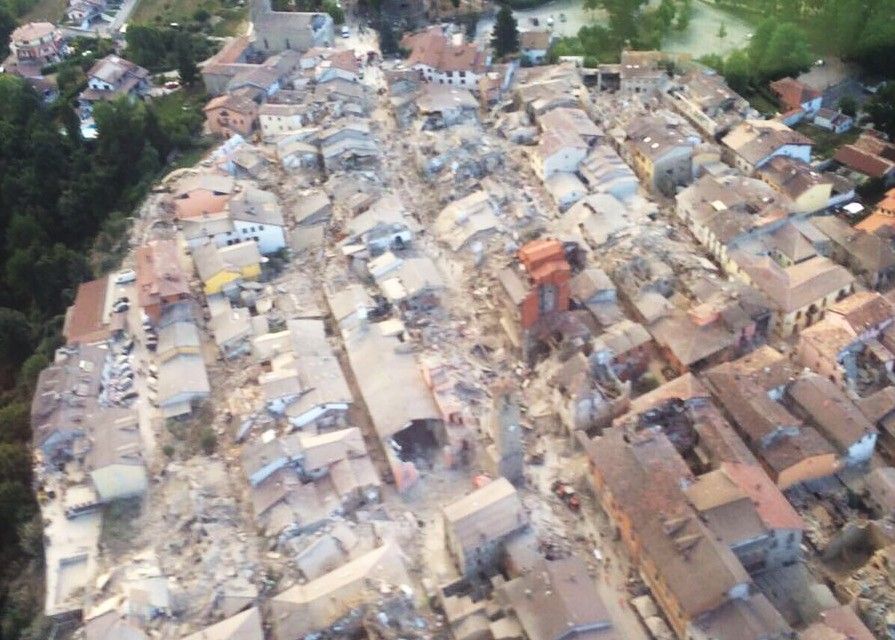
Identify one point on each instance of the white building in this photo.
(257, 216)
(445, 59)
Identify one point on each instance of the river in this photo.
(700, 37)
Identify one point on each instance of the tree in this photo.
(15, 423)
(787, 54)
(186, 62)
(388, 42)
(882, 109)
(761, 40)
(15, 339)
(7, 25)
(208, 440)
(684, 12)
(738, 71)
(506, 33)
(713, 61)
(848, 105)
(334, 10)
(722, 31)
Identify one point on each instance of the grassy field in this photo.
(161, 12)
(46, 10)
(826, 142)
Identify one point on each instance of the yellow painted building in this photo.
(220, 267)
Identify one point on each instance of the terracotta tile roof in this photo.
(432, 48)
(84, 319)
(697, 570)
(868, 251)
(776, 436)
(838, 623)
(200, 203)
(797, 286)
(827, 406)
(232, 102)
(536, 39)
(864, 310)
(869, 154)
(877, 221)
(345, 60)
(792, 93)
(159, 275)
(863, 162)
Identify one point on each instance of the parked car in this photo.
(123, 277)
(345, 32)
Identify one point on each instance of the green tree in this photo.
(738, 71)
(506, 33)
(186, 62)
(7, 25)
(848, 105)
(15, 463)
(388, 42)
(15, 339)
(684, 13)
(30, 370)
(722, 31)
(787, 53)
(713, 61)
(335, 11)
(881, 109)
(761, 40)
(208, 440)
(15, 423)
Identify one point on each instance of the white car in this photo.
(123, 277)
(345, 32)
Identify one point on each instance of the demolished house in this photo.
(468, 221)
(384, 225)
(305, 608)
(300, 481)
(401, 407)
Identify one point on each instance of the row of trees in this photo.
(57, 194)
(10, 11)
(860, 30)
(164, 49)
(328, 6)
(631, 24)
(777, 49)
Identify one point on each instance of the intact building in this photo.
(478, 525)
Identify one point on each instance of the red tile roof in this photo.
(84, 319)
(432, 48)
(159, 276)
(869, 154)
(792, 93)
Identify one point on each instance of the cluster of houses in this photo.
(660, 239)
(35, 45)
(737, 422)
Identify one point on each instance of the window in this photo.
(260, 227)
